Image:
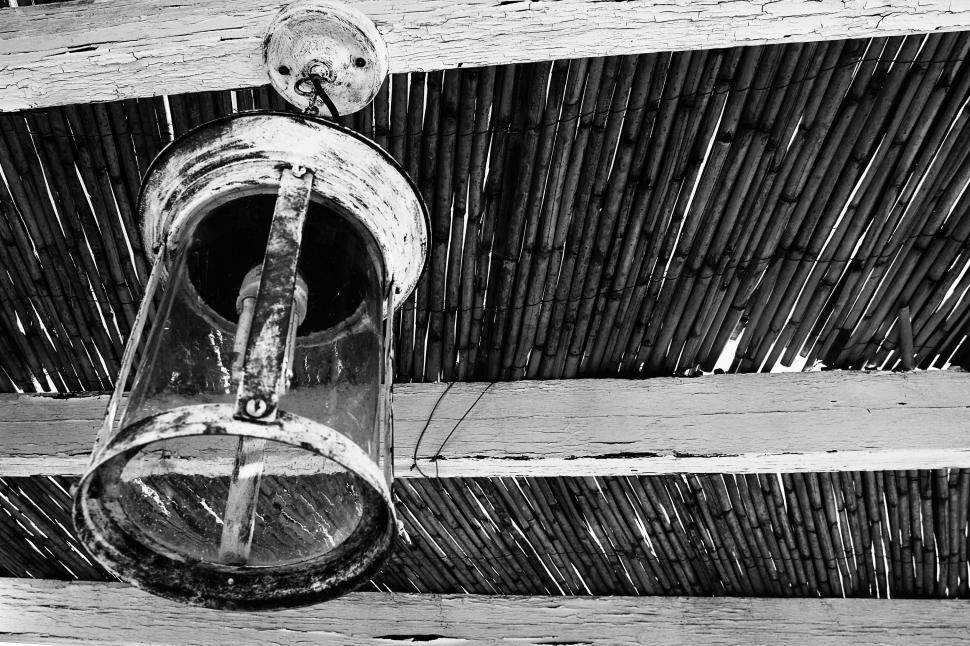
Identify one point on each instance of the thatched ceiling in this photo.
(865, 534)
(625, 216)
(594, 217)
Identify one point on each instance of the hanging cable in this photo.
(319, 93)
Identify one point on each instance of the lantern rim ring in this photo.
(133, 556)
(245, 153)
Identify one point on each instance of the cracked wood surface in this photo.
(37, 611)
(822, 421)
(105, 50)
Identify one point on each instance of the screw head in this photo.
(256, 408)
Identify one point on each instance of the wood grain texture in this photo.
(111, 49)
(34, 611)
(796, 422)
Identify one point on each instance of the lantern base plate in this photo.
(329, 41)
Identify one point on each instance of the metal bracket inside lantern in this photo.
(264, 366)
(266, 360)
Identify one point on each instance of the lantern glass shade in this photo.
(177, 491)
(337, 359)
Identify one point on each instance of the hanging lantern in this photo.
(246, 469)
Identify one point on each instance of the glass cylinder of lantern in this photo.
(251, 465)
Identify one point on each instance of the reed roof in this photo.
(854, 534)
(637, 216)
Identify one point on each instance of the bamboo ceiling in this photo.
(854, 534)
(631, 215)
(637, 216)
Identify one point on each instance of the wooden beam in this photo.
(38, 611)
(105, 50)
(823, 421)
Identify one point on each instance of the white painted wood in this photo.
(104, 50)
(727, 423)
(34, 611)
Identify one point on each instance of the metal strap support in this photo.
(264, 365)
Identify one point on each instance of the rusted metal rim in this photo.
(123, 549)
(245, 154)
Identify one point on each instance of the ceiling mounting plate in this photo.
(331, 41)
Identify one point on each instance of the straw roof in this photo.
(625, 216)
(853, 534)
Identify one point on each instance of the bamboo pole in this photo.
(28, 297)
(81, 227)
(617, 194)
(524, 168)
(686, 149)
(577, 116)
(699, 217)
(506, 529)
(592, 111)
(564, 527)
(782, 112)
(95, 174)
(636, 562)
(709, 260)
(803, 530)
(747, 141)
(613, 161)
(538, 222)
(658, 504)
(778, 541)
(449, 499)
(824, 277)
(723, 542)
(549, 550)
(427, 185)
(818, 209)
(465, 126)
(798, 178)
(665, 212)
(631, 205)
(442, 221)
(915, 146)
(742, 508)
(481, 141)
(855, 530)
(743, 278)
(684, 503)
(502, 118)
(407, 116)
(71, 311)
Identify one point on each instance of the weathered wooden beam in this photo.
(104, 50)
(823, 421)
(39, 611)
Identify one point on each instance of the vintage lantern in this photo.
(246, 471)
